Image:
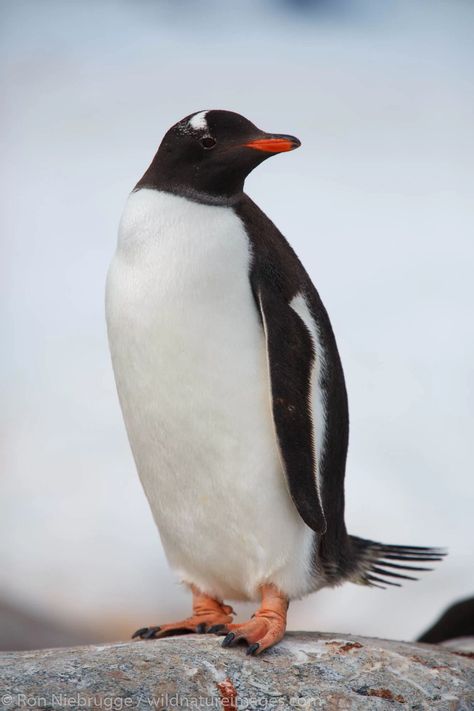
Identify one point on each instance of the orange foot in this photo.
(207, 612)
(264, 629)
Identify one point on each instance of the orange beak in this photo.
(274, 144)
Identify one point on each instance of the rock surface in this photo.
(306, 671)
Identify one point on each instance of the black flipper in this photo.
(290, 360)
(277, 277)
(317, 488)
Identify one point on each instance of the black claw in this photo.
(150, 633)
(140, 632)
(215, 629)
(227, 641)
(252, 649)
(201, 628)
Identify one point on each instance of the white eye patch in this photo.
(198, 121)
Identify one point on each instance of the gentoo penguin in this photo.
(232, 389)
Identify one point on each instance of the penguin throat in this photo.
(186, 191)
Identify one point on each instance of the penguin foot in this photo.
(208, 613)
(266, 627)
(199, 624)
(260, 633)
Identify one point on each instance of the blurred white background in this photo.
(377, 203)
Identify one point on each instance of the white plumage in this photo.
(190, 363)
(198, 121)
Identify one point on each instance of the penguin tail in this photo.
(379, 565)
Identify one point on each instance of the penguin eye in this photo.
(208, 142)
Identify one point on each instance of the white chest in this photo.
(190, 363)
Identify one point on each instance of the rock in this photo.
(306, 671)
(459, 644)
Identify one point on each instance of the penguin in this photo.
(232, 390)
(456, 623)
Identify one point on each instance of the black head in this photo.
(207, 156)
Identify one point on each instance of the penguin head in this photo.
(207, 156)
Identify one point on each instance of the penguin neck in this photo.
(210, 191)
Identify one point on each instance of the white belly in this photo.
(190, 364)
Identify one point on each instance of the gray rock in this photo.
(459, 644)
(306, 671)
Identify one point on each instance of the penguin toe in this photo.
(146, 633)
(140, 632)
(229, 640)
(259, 633)
(252, 649)
(198, 624)
(217, 629)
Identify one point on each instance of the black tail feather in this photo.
(408, 550)
(416, 558)
(374, 561)
(406, 567)
(391, 574)
(373, 579)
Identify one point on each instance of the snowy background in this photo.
(377, 203)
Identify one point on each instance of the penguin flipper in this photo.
(290, 355)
